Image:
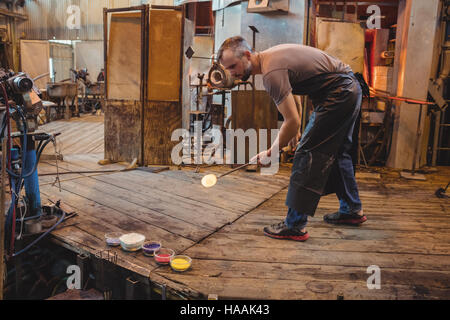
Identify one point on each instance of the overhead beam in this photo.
(15, 15)
(358, 3)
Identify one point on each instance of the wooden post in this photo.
(412, 69)
(2, 217)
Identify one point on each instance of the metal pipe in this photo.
(41, 76)
(2, 216)
(180, 94)
(144, 74)
(441, 132)
(240, 167)
(84, 172)
(233, 170)
(416, 148)
(254, 31)
(437, 123)
(105, 52)
(82, 262)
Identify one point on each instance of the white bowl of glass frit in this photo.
(132, 241)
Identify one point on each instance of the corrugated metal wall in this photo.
(48, 18)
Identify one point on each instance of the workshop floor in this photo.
(406, 235)
(81, 135)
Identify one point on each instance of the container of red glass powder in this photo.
(164, 255)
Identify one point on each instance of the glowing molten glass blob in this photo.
(209, 180)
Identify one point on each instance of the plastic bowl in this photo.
(132, 241)
(150, 248)
(164, 255)
(112, 238)
(180, 263)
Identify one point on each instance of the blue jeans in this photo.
(347, 190)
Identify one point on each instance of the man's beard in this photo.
(247, 73)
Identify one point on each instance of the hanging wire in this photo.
(57, 154)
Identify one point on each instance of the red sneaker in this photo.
(281, 231)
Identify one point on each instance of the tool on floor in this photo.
(131, 166)
(153, 169)
(440, 193)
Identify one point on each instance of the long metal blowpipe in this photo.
(210, 180)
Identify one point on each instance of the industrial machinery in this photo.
(93, 92)
(209, 103)
(20, 105)
(64, 94)
(219, 77)
(212, 113)
(219, 82)
(9, 3)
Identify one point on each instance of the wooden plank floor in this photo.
(406, 235)
(80, 135)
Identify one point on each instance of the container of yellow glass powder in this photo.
(180, 263)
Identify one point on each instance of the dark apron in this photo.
(337, 101)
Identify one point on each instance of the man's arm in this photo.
(290, 129)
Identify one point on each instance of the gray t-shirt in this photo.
(287, 65)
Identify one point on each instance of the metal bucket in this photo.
(61, 89)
